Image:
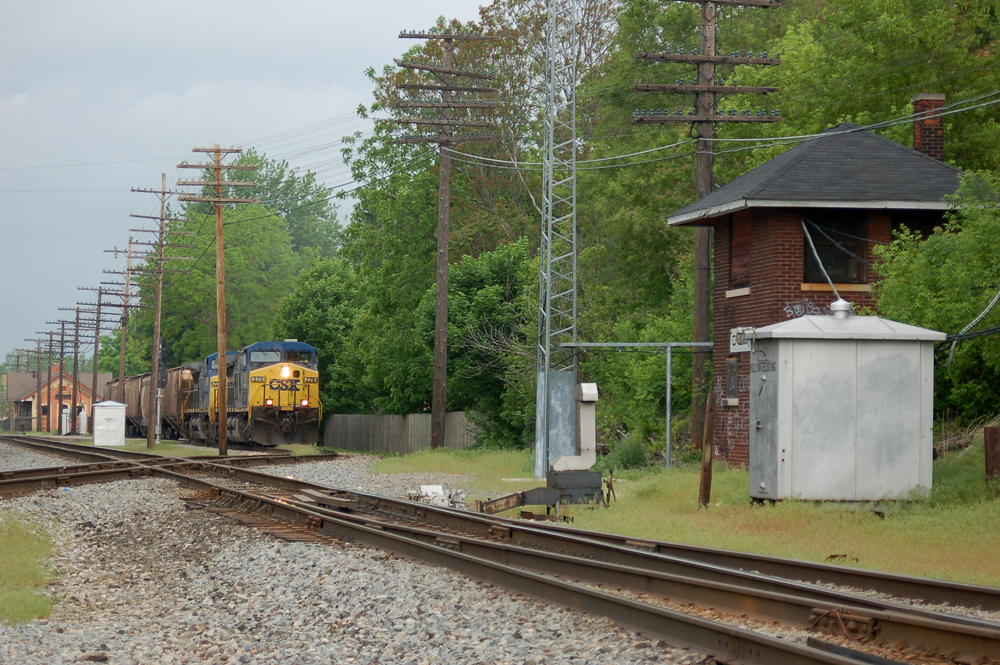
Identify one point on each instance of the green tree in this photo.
(260, 270)
(305, 205)
(491, 332)
(321, 311)
(943, 283)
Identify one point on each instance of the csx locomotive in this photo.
(272, 391)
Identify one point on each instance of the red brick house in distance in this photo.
(850, 188)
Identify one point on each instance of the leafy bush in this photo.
(943, 282)
(629, 453)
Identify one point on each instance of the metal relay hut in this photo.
(841, 408)
(109, 424)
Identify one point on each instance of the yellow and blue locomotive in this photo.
(272, 395)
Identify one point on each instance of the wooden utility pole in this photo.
(38, 386)
(98, 329)
(48, 387)
(155, 385)
(445, 75)
(96, 360)
(216, 169)
(705, 488)
(703, 118)
(127, 285)
(62, 369)
(76, 371)
(37, 403)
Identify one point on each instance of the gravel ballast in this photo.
(142, 579)
(352, 473)
(13, 458)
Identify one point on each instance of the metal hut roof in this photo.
(852, 327)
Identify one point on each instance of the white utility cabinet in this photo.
(841, 408)
(109, 424)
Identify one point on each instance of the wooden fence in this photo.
(395, 434)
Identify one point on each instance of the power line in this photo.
(277, 213)
(61, 166)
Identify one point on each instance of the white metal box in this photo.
(841, 409)
(109, 424)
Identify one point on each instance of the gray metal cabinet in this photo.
(841, 409)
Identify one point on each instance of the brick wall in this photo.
(776, 294)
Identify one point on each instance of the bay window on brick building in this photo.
(849, 188)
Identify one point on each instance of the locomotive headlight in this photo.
(269, 402)
(285, 371)
(305, 402)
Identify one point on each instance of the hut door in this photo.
(764, 421)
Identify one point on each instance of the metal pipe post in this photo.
(670, 378)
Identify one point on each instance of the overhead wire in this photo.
(835, 243)
(340, 192)
(819, 261)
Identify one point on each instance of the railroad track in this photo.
(640, 583)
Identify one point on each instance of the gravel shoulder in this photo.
(141, 579)
(352, 473)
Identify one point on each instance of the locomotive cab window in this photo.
(265, 357)
(304, 357)
(846, 228)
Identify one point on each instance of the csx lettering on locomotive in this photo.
(291, 385)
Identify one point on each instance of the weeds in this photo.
(949, 535)
(22, 571)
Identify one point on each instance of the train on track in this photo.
(272, 397)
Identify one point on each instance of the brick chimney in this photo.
(928, 133)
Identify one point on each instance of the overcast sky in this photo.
(99, 97)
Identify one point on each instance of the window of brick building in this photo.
(739, 252)
(839, 240)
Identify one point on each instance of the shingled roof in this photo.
(22, 385)
(19, 385)
(845, 167)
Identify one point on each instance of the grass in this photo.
(497, 472)
(302, 449)
(167, 448)
(22, 571)
(950, 535)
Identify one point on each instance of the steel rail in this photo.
(76, 450)
(99, 467)
(631, 554)
(900, 586)
(725, 643)
(959, 641)
(57, 480)
(718, 565)
(44, 472)
(638, 568)
(263, 460)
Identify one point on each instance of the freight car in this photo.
(272, 397)
(132, 392)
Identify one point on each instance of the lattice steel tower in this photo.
(555, 420)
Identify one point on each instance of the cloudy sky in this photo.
(100, 97)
